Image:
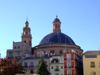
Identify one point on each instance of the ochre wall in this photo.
(87, 66)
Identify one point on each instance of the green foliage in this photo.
(20, 64)
(42, 68)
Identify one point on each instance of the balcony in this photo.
(67, 67)
(57, 69)
(25, 66)
(31, 66)
(68, 59)
(55, 61)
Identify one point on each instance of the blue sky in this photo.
(80, 20)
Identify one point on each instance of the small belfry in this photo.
(56, 25)
(26, 35)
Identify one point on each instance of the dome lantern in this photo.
(56, 25)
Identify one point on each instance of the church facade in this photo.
(52, 46)
(21, 49)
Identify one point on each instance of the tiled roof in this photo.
(56, 20)
(56, 38)
(91, 53)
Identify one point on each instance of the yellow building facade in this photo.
(91, 63)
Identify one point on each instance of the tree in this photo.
(42, 68)
(9, 67)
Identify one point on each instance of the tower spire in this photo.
(26, 36)
(26, 22)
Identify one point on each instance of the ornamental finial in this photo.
(56, 16)
(26, 19)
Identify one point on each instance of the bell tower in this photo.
(26, 35)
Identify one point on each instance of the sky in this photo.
(80, 19)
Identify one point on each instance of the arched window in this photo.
(93, 73)
(60, 52)
(24, 33)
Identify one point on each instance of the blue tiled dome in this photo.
(56, 20)
(56, 38)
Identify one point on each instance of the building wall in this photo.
(75, 64)
(35, 63)
(38, 50)
(61, 70)
(60, 65)
(87, 65)
(19, 50)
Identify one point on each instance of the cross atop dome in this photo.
(56, 16)
(56, 19)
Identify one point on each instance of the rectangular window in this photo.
(69, 72)
(60, 52)
(18, 47)
(68, 64)
(31, 63)
(68, 56)
(10, 54)
(25, 64)
(18, 53)
(61, 67)
(57, 68)
(55, 61)
(51, 67)
(92, 64)
(14, 47)
(31, 71)
(91, 56)
(57, 74)
(52, 52)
